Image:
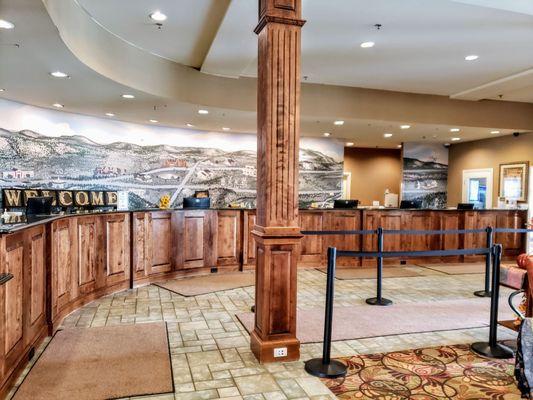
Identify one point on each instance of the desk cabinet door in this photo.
(63, 263)
(117, 249)
(159, 242)
(34, 283)
(11, 301)
(228, 236)
(196, 234)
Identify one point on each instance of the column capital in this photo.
(287, 12)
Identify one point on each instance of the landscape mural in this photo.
(42, 148)
(425, 174)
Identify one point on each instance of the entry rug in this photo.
(196, 286)
(364, 321)
(457, 269)
(403, 271)
(440, 373)
(101, 363)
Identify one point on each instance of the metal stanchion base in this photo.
(498, 351)
(316, 367)
(375, 301)
(482, 293)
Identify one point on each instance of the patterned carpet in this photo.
(447, 372)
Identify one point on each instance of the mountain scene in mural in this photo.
(31, 160)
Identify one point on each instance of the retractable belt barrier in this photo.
(326, 368)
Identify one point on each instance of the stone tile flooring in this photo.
(210, 350)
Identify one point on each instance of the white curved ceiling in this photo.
(216, 36)
(420, 47)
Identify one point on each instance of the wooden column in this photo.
(276, 232)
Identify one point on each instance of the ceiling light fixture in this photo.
(190, 125)
(327, 134)
(455, 139)
(128, 96)
(494, 132)
(6, 24)
(387, 135)
(154, 121)
(225, 128)
(405, 126)
(399, 146)
(158, 16)
(110, 114)
(203, 112)
(367, 45)
(338, 123)
(454, 130)
(2, 90)
(471, 57)
(59, 74)
(58, 105)
(349, 144)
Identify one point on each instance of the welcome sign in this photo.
(63, 198)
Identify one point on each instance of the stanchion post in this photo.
(379, 300)
(493, 349)
(325, 367)
(490, 243)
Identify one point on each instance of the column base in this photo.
(264, 349)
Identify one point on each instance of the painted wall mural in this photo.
(425, 174)
(41, 148)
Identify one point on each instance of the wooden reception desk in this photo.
(64, 262)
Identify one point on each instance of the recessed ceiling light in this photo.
(190, 125)
(405, 126)
(2, 90)
(110, 114)
(59, 74)
(203, 112)
(225, 128)
(327, 134)
(58, 105)
(367, 45)
(154, 121)
(455, 139)
(158, 16)
(454, 130)
(128, 96)
(6, 24)
(471, 57)
(494, 132)
(338, 123)
(387, 135)
(349, 144)
(399, 146)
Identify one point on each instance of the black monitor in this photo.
(345, 203)
(465, 206)
(39, 206)
(405, 204)
(194, 203)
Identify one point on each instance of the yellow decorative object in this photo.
(164, 202)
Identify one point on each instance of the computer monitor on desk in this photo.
(345, 203)
(465, 206)
(405, 204)
(38, 207)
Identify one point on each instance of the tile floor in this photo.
(210, 350)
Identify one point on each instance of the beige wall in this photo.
(488, 153)
(373, 171)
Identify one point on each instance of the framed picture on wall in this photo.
(514, 180)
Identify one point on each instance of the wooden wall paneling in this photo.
(478, 220)
(513, 243)
(139, 245)
(340, 221)
(451, 220)
(229, 238)
(394, 220)
(117, 249)
(312, 250)
(63, 264)
(34, 283)
(12, 294)
(249, 247)
(89, 255)
(159, 242)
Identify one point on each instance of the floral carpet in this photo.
(447, 372)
